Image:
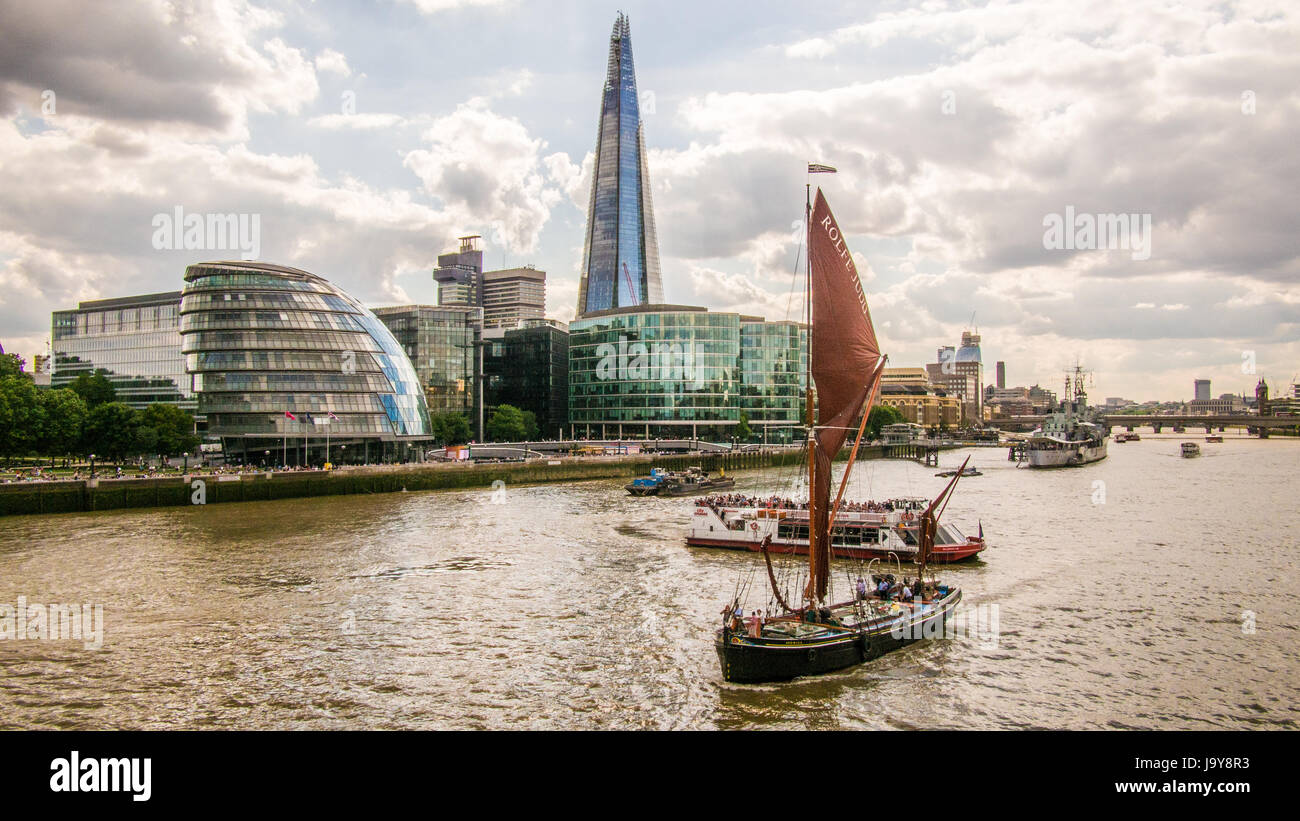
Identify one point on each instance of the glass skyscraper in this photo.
(621, 255)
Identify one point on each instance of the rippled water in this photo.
(576, 606)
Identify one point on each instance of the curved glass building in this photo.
(676, 371)
(288, 368)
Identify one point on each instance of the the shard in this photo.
(621, 253)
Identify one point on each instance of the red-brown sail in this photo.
(845, 355)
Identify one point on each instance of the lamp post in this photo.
(92, 466)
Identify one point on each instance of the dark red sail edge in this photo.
(845, 354)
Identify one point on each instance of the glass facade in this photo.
(677, 371)
(621, 257)
(262, 341)
(529, 368)
(135, 340)
(441, 343)
(773, 371)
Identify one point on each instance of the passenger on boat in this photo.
(907, 592)
(883, 589)
(756, 624)
(862, 589)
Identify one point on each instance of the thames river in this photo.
(1144, 591)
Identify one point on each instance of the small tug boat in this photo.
(686, 483)
(1191, 450)
(1214, 438)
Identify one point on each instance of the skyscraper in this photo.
(621, 253)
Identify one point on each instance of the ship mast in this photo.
(811, 436)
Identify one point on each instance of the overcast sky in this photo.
(368, 136)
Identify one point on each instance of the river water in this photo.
(1144, 591)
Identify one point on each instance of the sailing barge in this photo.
(846, 365)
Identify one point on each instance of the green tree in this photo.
(110, 431)
(450, 428)
(531, 429)
(507, 425)
(64, 418)
(880, 416)
(94, 388)
(20, 415)
(743, 431)
(174, 428)
(11, 364)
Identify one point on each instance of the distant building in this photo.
(42, 367)
(528, 367)
(442, 343)
(459, 274)
(1201, 388)
(923, 406)
(136, 340)
(964, 361)
(513, 296)
(1002, 375)
(620, 259)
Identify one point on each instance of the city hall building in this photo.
(290, 369)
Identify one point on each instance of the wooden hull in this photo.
(942, 554)
(747, 660)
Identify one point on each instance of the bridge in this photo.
(1260, 425)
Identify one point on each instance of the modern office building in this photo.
(773, 374)
(291, 370)
(965, 361)
(135, 340)
(442, 344)
(513, 297)
(1201, 390)
(620, 260)
(528, 367)
(677, 371)
(459, 274)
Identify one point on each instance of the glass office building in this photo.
(289, 368)
(773, 375)
(441, 343)
(134, 340)
(676, 371)
(621, 254)
(528, 367)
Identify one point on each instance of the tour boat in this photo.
(1214, 438)
(1191, 450)
(810, 634)
(746, 523)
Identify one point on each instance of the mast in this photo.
(811, 436)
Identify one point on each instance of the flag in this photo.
(332, 416)
(306, 417)
(290, 416)
(818, 168)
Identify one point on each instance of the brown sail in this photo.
(845, 357)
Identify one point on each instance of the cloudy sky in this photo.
(366, 137)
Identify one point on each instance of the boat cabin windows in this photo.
(792, 531)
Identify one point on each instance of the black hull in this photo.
(696, 489)
(750, 662)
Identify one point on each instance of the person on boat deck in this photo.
(862, 589)
(907, 592)
(883, 589)
(756, 624)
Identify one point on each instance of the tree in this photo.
(531, 429)
(94, 388)
(174, 428)
(450, 428)
(507, 425)
(11, 364)
(743, 432)
(20, 415)
(880, 416)
(64, 418)
(110, 431)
